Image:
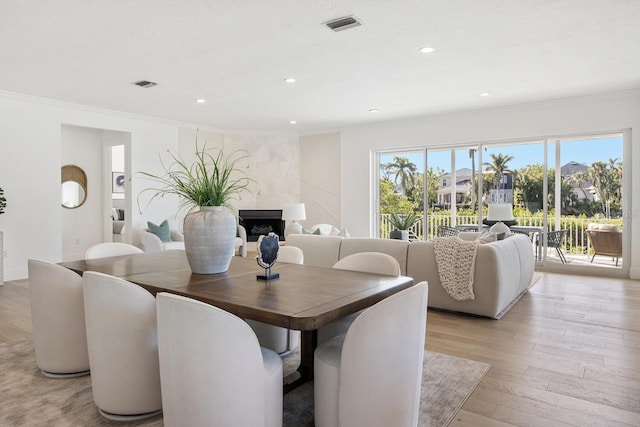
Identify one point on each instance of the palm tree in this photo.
(607, 182)
(404, 171)
(499, 166)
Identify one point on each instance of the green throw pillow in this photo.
(162, 230)
(316, 231)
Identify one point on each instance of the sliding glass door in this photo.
(565, 193)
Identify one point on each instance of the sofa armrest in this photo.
(242, 234)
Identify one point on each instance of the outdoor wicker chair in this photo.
(445, 231)
(606, 242)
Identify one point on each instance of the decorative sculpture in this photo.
(267, 255)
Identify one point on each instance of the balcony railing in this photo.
(576, 242)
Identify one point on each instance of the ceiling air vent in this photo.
(343, 23)
(145, 83)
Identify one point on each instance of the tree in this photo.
(529, 185)
(498, 165)
(607, 182)
(404, 171)
(390, 202)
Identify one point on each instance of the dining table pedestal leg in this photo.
(304, 373)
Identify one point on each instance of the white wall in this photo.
(605, 112)
(30, 160)
(31, 154)
(82, 227)
(320, 177)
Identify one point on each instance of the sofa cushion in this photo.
(319, 251)
(162, 231)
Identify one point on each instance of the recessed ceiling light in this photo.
(201, 100)
(290, 80)
(426, 49)
(485, 94)
(292, 122)
(374, 110)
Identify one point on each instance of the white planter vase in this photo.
(209, 239)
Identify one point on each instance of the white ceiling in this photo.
(236, 53)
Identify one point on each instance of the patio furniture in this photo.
(445, 231)
(606, 242)
(555, 239)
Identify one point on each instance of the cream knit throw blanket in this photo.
(456, 260)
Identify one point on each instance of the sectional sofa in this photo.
(503, 269)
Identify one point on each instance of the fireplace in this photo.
(262, 222)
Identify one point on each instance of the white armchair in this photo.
(152, 243)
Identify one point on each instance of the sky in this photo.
(584, 151)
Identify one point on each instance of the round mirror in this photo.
(74, 187)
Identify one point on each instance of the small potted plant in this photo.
(401, 224)
(210, 183)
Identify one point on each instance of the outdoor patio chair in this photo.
(606, 242)
(445, 231)
(555, 239)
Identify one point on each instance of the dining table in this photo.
(302, 298)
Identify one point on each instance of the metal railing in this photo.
(576, 241)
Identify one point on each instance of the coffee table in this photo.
(303, 297)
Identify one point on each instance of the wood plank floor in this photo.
(567, 354)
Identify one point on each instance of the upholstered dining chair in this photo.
(280, 340)
(57, 316)
(123, 347)
(107, 249)
(369, 262)
(212, 368)
(372, 375)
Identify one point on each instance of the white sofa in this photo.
(503, 269)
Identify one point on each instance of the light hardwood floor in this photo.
(566, 354)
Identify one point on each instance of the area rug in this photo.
(30, 399)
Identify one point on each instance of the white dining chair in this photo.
(123, 347)
(372, 375)
(107, 249)
(280, 340)
(57, 316)
(369, 262)
(212, 368)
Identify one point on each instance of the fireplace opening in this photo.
(259, 222)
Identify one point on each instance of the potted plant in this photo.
(401, 224)
(209, 184)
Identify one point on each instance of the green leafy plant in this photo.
(403, 221)
(3, 201)
(214, 179)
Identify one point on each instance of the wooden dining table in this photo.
(303, 298)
